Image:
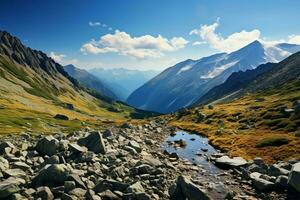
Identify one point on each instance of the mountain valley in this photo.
(224, 125)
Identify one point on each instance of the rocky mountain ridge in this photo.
(89, 81)
(184, 83)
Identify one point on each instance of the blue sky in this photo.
(146, 34)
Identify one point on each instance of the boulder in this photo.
(9, 187)
(259, 183)
(275, 170)
(282, 181)
(75, 148)
(227, 162)
(77, 180)
(294, 177)
(44, 193)
(51, 175)
(47, 146)
(135, 188)
(186, 189)
(94, 142)
(52, 160)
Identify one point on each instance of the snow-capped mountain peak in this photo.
(185, 82)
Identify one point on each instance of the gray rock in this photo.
(17, 196)
(257, 168)
(4, 164)
(135, 145)
(111, 185)
(142, 169)
(135, 188)
(258, 161)
(131, 150)
(44, 193)
(260, 183)
(282, 181)
(4, 145)
(52, 160)
(275, 170)
(186, 189)
(75, 148)
(78, 192)
(52, 175)
(150, 160)
(109, 195)
(94, 142)
(136, 196)
(78, 182)
(65, 196)
(15, 173)
(69, 185)
(227, 162)
(8, 187)
(107, 133)
(294, 177)
(29, 192)
(21, 165)
(47, 146)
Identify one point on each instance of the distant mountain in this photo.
(34, 88)
(123, 81)
(234, 83)
(264, 77)
(89, 80)
(184, 83)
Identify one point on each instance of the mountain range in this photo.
(122, 82)
(186, 82)
(34, 88)
(89, 81)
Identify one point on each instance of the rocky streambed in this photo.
(133, 162)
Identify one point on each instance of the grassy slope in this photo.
(226, 124)
(28, 102)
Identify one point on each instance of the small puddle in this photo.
(196, 150)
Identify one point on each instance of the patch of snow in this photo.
(218, 70)
(274, 54)
(185, 68)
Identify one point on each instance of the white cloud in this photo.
(61, 59)
(294, 39)
(231, 43)
(94, 24)
(198, 43)
(56, 56)
(139, 47)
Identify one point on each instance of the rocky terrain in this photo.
(127, 162)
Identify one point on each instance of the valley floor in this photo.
(121, 162)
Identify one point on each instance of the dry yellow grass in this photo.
(226, 133)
